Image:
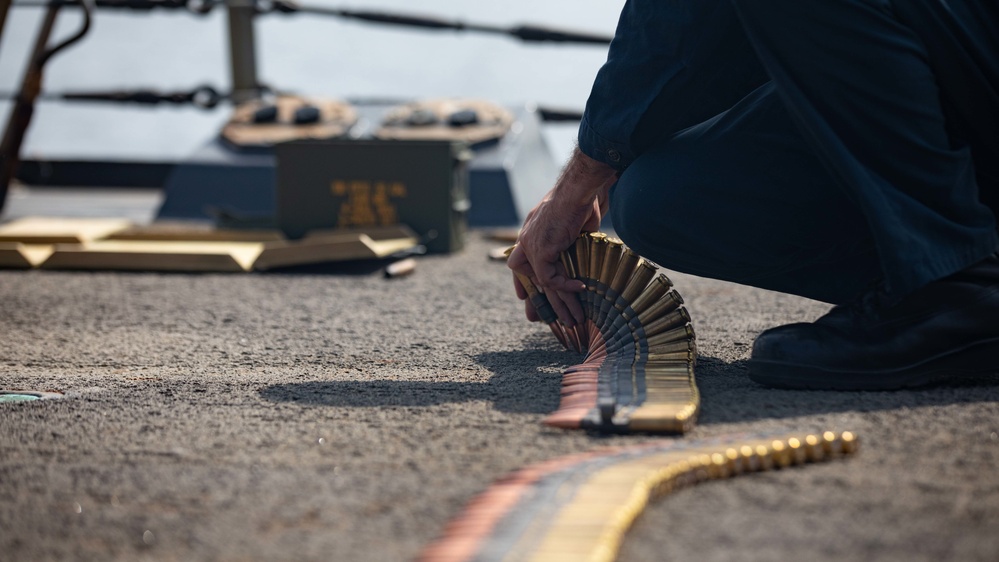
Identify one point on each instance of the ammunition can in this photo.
(360, 183)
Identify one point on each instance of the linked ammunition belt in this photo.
(580, 507)
(638, 373)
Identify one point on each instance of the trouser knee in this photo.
(644, 216)
(695, 206)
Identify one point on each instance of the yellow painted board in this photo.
(184, 252)
(180, 231)
(60, 230)
(386, 232)
(321, 249)
(202, 232)
(15, 255)
(156, 256)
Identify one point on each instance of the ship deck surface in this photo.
(342, 416)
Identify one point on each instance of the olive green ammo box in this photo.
(356, 183)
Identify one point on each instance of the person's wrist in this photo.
(592, 165)
(582, 179)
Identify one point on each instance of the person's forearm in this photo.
(582, 179)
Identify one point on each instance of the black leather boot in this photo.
(946, 330)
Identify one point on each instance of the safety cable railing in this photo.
(525, 32)
(245, 84)
(31, 87)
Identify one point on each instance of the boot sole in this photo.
(976, 360)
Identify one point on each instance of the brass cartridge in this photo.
(544, 308)
(671, 320)
(611, 259)
(638, 282)
(653, 301)
(676, 334)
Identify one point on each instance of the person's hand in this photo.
(576, 204)
(550, 228)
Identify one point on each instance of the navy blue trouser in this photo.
(869, 164)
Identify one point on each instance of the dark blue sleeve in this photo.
(672, 64)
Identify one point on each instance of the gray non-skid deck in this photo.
(326, 416)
